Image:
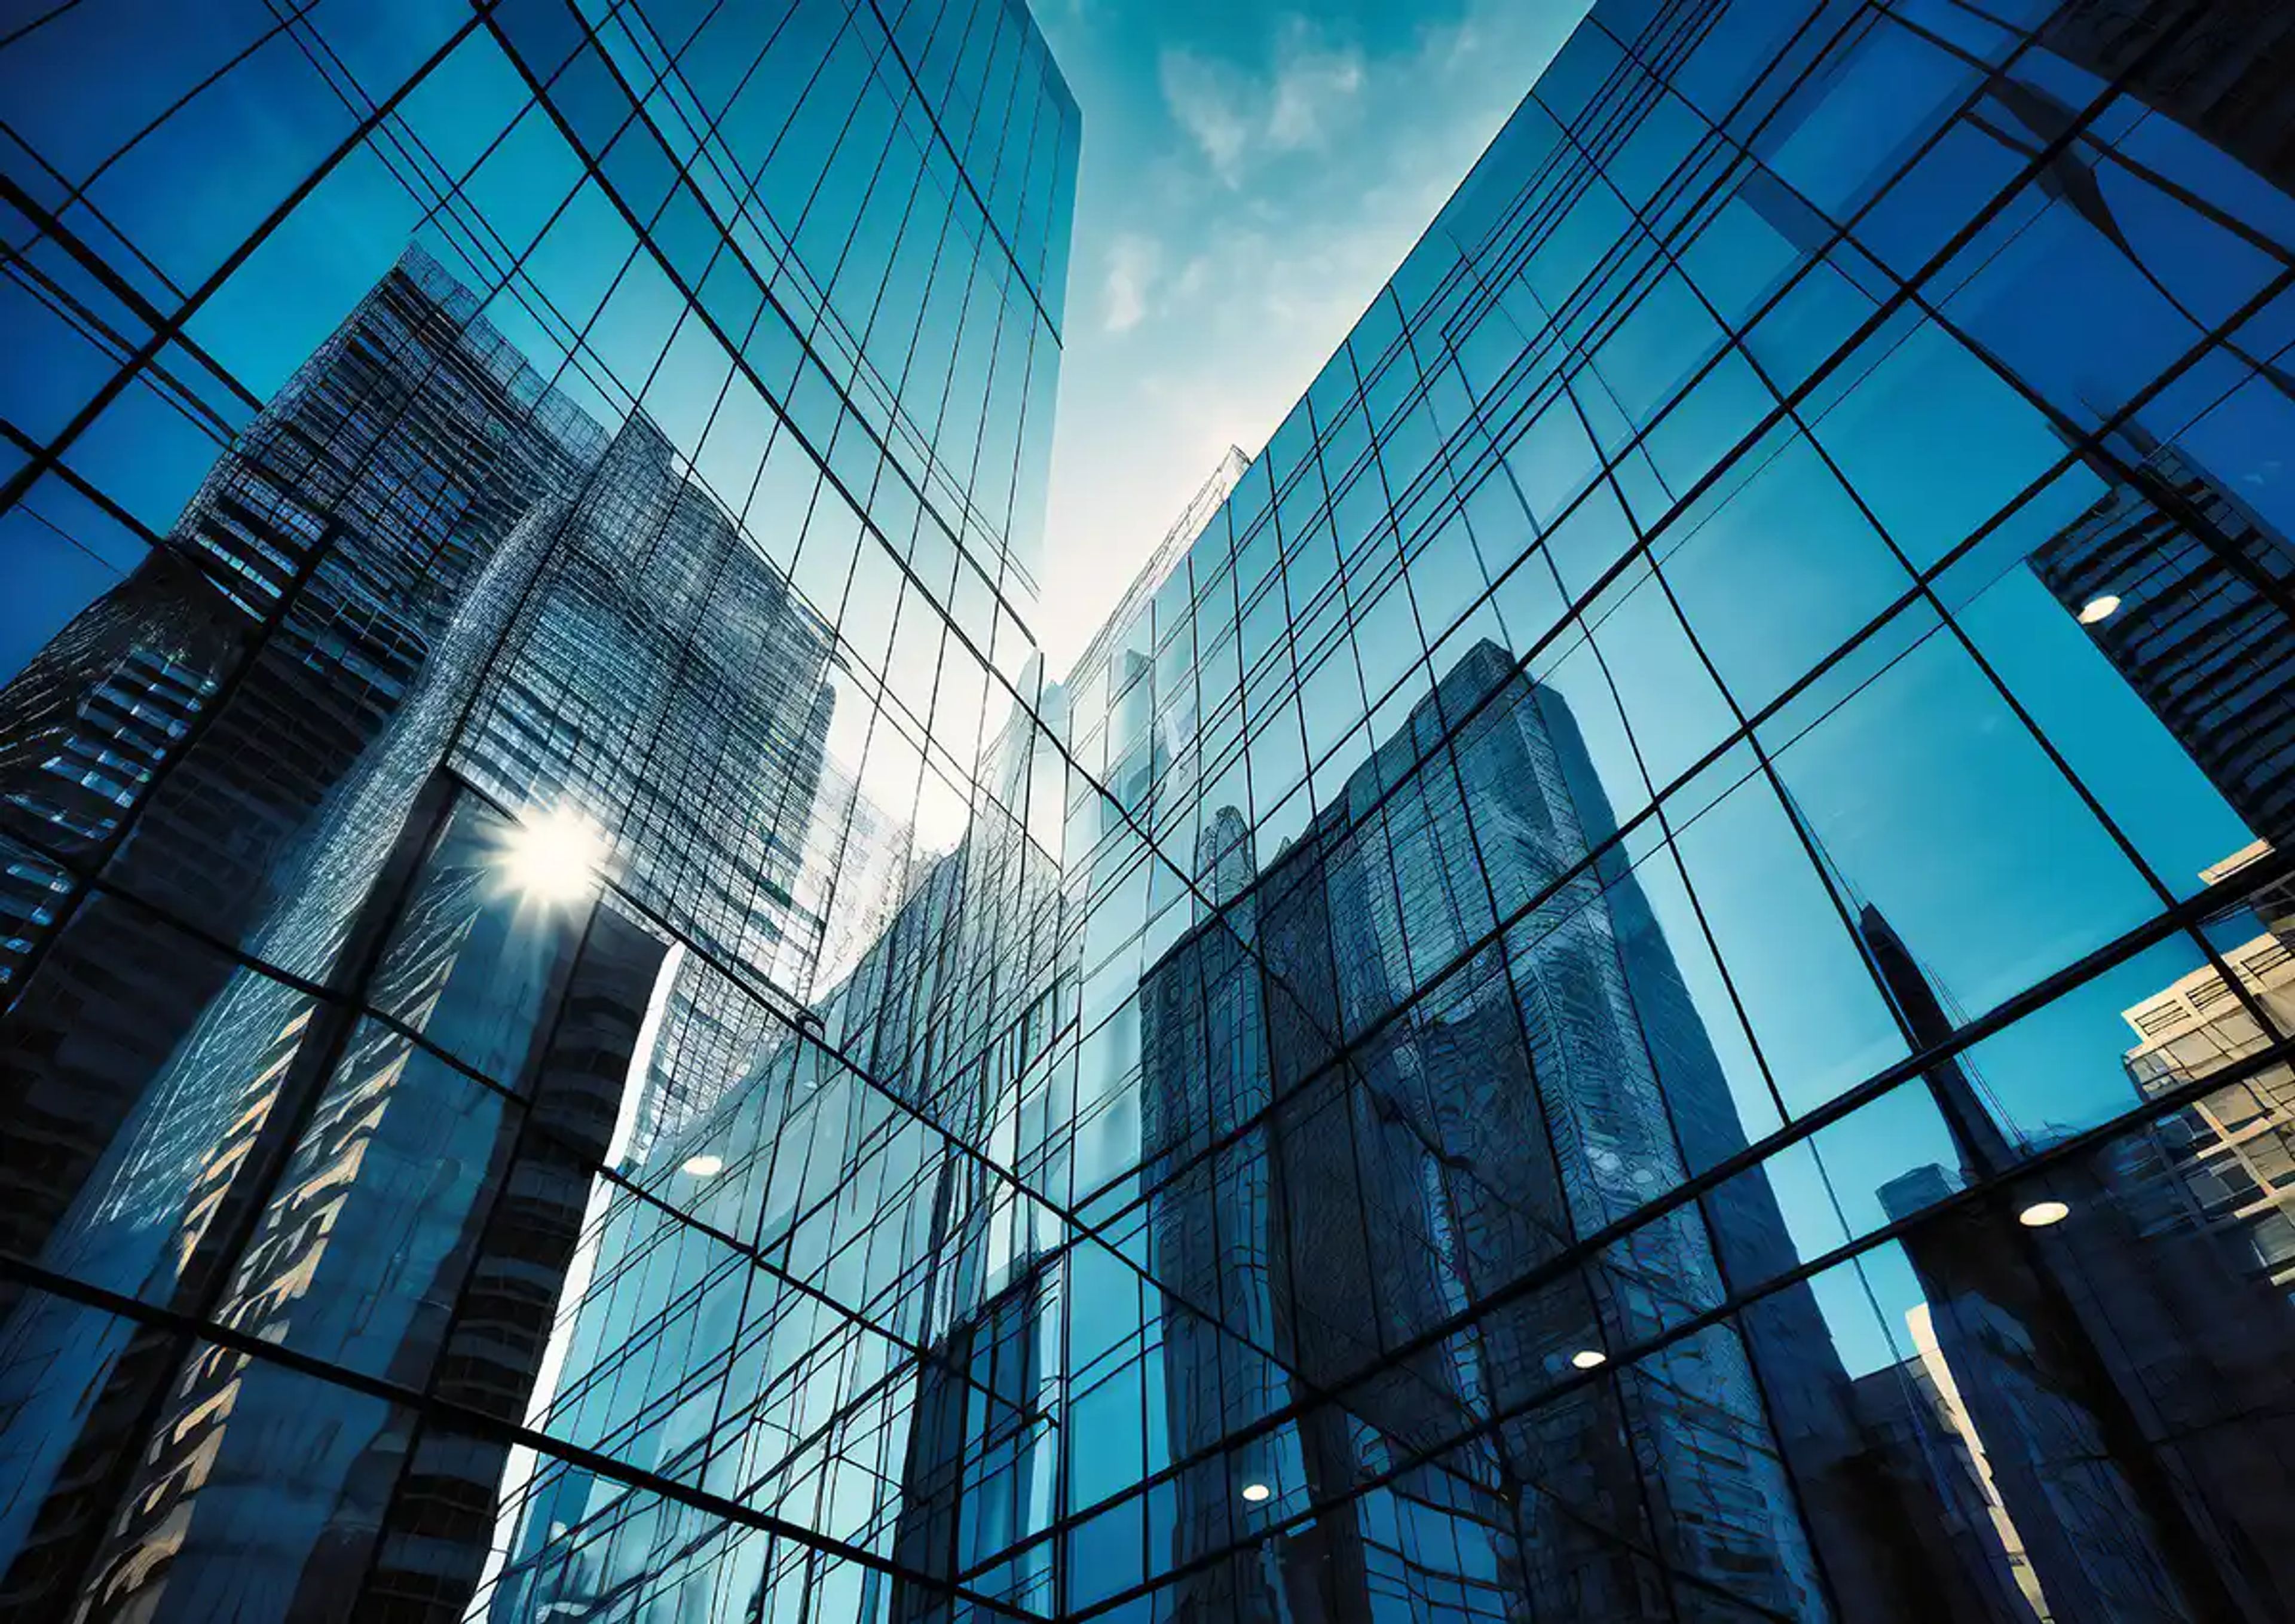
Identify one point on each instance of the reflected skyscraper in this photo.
(663, 679)
(2140, 1464)
(2183, 587)
(200, 745)
(2233, 1150)
(2216, 68)
(552, 995)
(1569, 1073)
(967, 1478)
(1926, 1449)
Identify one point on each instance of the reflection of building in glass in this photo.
(422, 1225)
(454, 573)
(2233, 1150)
(2218, 67)
(1567, 1080)
(948, 1013)
(2199, 629)
(2143, 1466)
(94, 714)
(360, 512)
(664, 678)
(1203, 1162)
(857, 879)
(1925, 1450)
(973, 1439)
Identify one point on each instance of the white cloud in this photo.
(1133, 264)
(1211, 101)
(1234, 115)
(1239, 254)
(1314, 86)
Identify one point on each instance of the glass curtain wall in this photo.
(1679, 1007)
(1644, 975)
(517, 519)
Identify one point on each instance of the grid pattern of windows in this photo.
(1643, 976)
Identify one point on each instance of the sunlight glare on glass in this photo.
(703, 1166)
(1590, 1359)
(2099, 608)
(2040, 1214)
(554, 856)
(1256, 1492)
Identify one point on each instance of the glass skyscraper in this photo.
(1644, 975)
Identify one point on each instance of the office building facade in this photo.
(1611, 994)
(454, 797)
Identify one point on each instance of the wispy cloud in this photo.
(1234, 115)
(1210, 100)
(1267, 193)
(1133, 265)
(1314, 87)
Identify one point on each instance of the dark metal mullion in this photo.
(1745, 732)
(746, 197)
(95, 331)
(1524, 412)
(2233, 225)
(66, 474)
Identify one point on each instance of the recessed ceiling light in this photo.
(553, 857)
(2099, 608)
(1588, 1359)
(1256, 1492)
(2040, 1214)
(703, 1166)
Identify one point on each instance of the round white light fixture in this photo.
(553, 857)
(1257, 1493)
(703, 1166)
(2099, 608)
(2040, 1214)
(1590, 1359)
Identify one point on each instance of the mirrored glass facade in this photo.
(1645, 975)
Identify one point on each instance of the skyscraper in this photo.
(1539, 1027)
(2231, 1149)
(1928, 1450)
(429, 622)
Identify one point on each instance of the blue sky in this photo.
(1251, 175)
